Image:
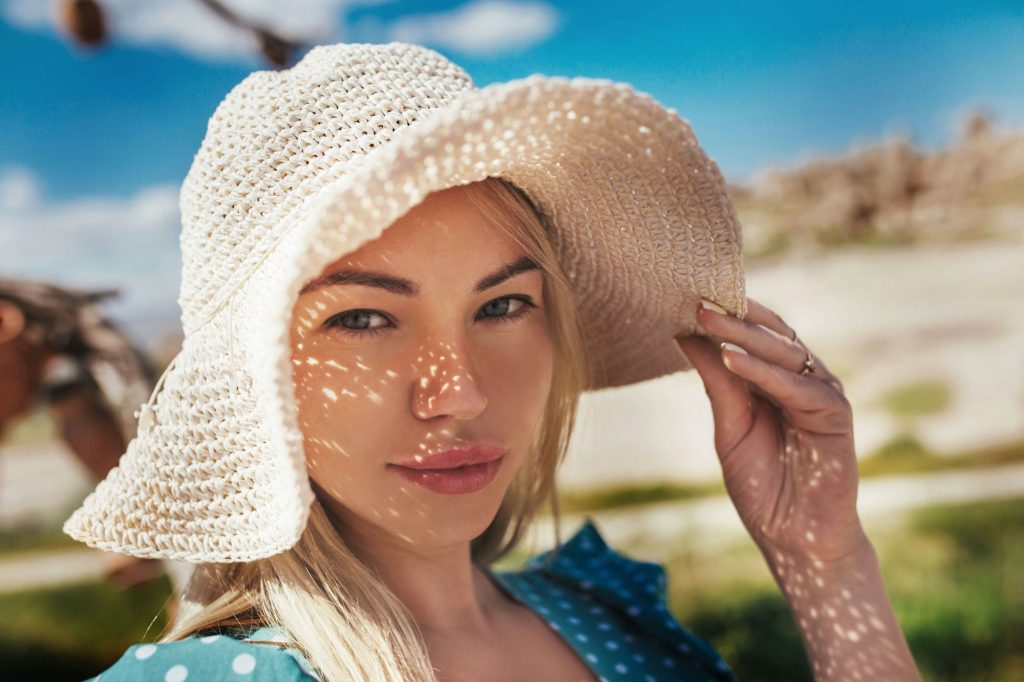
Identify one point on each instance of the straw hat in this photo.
(302, 166)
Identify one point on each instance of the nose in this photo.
(447, 385)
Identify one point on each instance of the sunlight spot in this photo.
(298, 346)
(810, 536)
(331, 394)
(391, 373)
(335, 365)
(361, 365)
(312, 361)
(423, 382)
(374, 396)
(306, 323)
(433, 370)
(445, 387)
(853, 635)
(348, 393)
(819, 582)
(320, 305)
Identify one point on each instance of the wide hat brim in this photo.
(639, 216)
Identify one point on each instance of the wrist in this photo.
(853, 553)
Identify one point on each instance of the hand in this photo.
(785, 440)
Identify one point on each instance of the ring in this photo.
(809, 365)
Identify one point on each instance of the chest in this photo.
(527, 650)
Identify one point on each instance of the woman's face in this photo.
(438, 358)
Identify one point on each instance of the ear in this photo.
(12, 321)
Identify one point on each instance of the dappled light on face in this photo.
(365, 406)
(440, 376)
(430, 338)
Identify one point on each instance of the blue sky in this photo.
(112, 134)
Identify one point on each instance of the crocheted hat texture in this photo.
(302, 166)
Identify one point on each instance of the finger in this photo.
(728, 392)
(765, 316)
(808, 403)
(765, 343)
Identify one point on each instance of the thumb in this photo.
(730, 400)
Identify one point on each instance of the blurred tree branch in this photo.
(86, 23)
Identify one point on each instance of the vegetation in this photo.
(964, 622)
(929, 396)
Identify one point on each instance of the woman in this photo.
(385, 269)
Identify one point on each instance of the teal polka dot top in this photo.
(610, 609)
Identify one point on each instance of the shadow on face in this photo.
(431, 337)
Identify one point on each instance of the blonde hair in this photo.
(341, 616)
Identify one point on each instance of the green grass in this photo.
(617, 497)
(953, 574)
(904, 454)
(74, 632)
(35, 538)
(929, 396)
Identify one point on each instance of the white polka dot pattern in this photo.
(612, 611)
(213, 657)
(590, 615)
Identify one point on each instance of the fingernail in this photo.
(733, 347)
(708, 305)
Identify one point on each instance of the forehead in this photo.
(443, 230)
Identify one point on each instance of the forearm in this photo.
(845, 617)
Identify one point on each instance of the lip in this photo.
(458, 471)
(478, 453)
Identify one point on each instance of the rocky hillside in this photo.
(890, 193)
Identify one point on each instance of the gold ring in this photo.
(809, 365)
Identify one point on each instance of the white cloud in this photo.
(191, 27)
(19, 190)
(484, 27)
(130, 244)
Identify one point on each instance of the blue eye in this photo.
(497, 313)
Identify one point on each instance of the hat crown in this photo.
(280, 136)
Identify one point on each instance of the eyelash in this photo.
(334, 322)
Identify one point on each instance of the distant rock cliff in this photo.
(890, 193)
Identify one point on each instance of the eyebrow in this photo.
(405, 287)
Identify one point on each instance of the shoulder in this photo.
(211, 657)
(635, 589)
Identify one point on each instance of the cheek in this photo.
(335, 396)
(519, 376)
